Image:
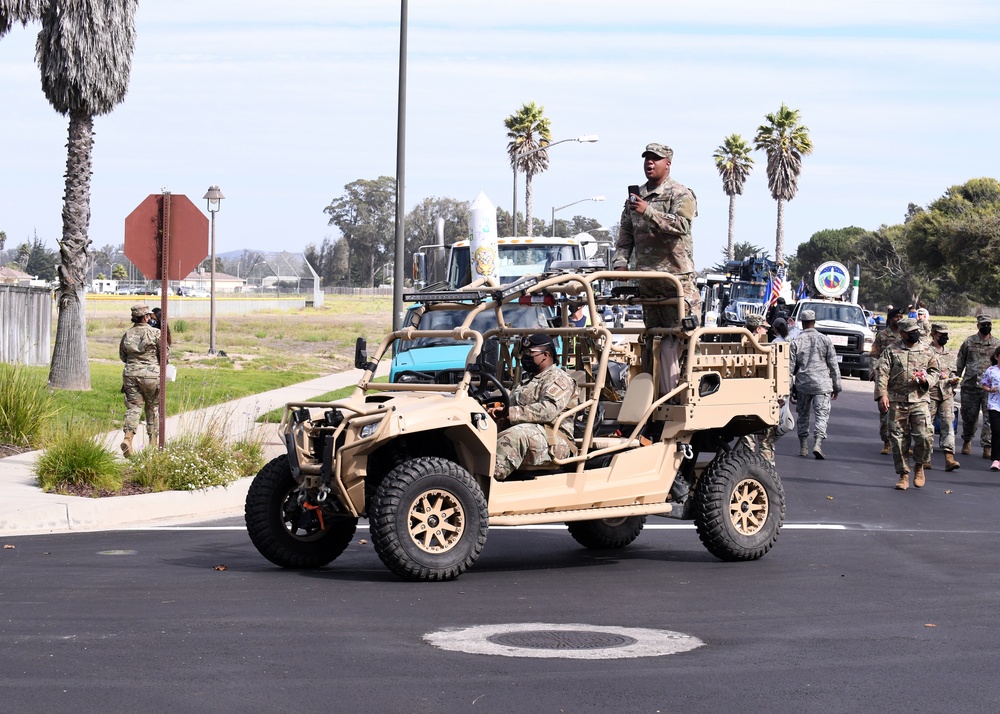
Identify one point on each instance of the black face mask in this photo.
(942, 340)
(528, 364)
(985, 328)
(913, 337)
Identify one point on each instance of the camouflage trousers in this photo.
(140, 393)
(974, 403)
(944, 412)
(762, 442)
(819, 404)
(666, 315)
(527, 444)
(910, 427)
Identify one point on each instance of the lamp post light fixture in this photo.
(585, 139)
(214, 198)
(559, 208)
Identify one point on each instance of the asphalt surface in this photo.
(872, 600)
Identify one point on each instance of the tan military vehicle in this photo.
(417, 460)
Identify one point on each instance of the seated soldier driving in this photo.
(530, 436)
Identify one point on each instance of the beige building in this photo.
(224, 283)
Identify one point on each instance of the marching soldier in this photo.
(942, 396)
(888, 335)
(973, 360)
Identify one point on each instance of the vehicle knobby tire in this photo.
(284, 532)
(606, 533)
(429, 519)
(739, 506)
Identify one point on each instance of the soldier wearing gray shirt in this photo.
(815, 379)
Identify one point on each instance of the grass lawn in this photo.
(274, 416)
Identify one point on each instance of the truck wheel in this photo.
(739, 506)
(864, 375)
(606, 533)
(286, 533)
(429, 520)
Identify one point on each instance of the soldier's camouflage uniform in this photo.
(883, 338)
(925, 330)
(973, 360)
(815, 374)
(534, 407)
(660, 239)
(942, 394)
(140, 351)
(909, 412)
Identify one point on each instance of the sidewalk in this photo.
(25, 509)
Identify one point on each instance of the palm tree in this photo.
(785, 142)
(84, 52)
(528, 129)
(733, 161)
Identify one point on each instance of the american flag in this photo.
(774, 287)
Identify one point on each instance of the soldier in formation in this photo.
(973, 360)
(942, 395)
(139, 349)
(815, 381)
(528, 434)
(888, 335)
(904, 375)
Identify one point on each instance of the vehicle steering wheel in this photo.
(489, 385)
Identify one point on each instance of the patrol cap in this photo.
(892, 313)
(140, 310)
(755, 321)
(980, 319)
(922, 312)
(807, 316)
(939, 327)
(908, 324)
(661, 151)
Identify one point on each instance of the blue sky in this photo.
(281, 104)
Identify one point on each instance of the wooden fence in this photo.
(25, 325)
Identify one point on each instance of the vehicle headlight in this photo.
(868, 344)
(410, 378)
(369, 429)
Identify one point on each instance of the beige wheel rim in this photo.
(615, 522)
(748, 507)
(436, 521)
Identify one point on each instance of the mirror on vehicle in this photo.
(361, 353)
(489, 356)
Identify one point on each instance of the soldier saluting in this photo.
(905, 373)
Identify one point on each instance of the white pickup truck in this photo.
(847, 327)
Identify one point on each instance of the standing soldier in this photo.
(816, 379)
(888, 335)
(905, 373)
(140, 351)
(942, 396)
(973, 360)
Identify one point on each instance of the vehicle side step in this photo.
(585, 514)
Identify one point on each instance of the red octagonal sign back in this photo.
(187, 241)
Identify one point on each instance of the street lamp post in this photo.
(559, 208)
(585, 139)
(214, 197)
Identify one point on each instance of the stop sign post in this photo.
(166, 237)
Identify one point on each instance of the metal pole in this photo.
(397, 281)
(164, 347)
(553, 221)
(211, 317)
(513, 210)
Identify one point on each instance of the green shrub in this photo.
(194, 461)
(179, 326)
(25, 405)
(73, 458)
(260, 334)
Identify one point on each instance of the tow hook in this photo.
(319, 513)
(687, 451)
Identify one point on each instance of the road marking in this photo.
(540, 527)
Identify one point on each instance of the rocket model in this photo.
(483, 240)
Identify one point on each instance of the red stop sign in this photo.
(187, 239)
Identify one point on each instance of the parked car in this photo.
(194, 292)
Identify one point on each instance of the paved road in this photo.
(834, 619)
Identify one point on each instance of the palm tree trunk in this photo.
(527, 203)
(70, 368)
(732, 227)
(779, 237)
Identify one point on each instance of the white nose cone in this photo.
(483, 239)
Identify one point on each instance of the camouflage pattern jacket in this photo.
(140, 351)
(946, 363)
(895, 370)
(542, 399)
(813, 363)
(883, 338)
(974, 359)
(660, 238)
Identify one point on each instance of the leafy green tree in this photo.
(732, 159)
(840, 244)
(785, 141)
(119, 272)
(528, 128)
(41, 262)
(84, 52)
(365, 215)
(329, 260)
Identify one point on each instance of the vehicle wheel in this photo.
(739, 506)
(864, 375)
(286, 533)
(606, 533)
(429, 520)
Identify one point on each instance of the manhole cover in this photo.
(572, 641)
(561, 639)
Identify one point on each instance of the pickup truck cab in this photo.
(847, 327)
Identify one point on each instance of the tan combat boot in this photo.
(987, 453)
(818, 449)
(904, 481)
(928, 466)
(918, 476)
(803, 446)
(127, 444)
(967, 447)
(949, 462)
(886, 449)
